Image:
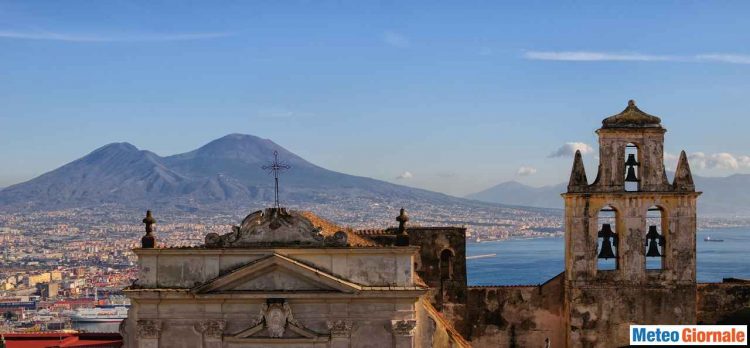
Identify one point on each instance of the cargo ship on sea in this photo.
(100, 314)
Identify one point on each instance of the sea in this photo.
(534, 261)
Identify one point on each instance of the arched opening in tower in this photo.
(655, 241)
(607, 240)
(632, 168)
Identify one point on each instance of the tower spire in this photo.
(578, 181)
(683, 178)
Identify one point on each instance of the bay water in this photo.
(534, 261)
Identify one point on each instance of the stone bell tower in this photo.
(648, 236)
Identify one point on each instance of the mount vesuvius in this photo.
(225, 172)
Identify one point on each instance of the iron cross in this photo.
(275, 168)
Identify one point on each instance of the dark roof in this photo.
(632, 117)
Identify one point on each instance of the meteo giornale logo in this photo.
(688, 335)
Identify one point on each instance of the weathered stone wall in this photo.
(434, 330)
(724, 303)
(600, 316)
(517, 316)
(447, 294)
(432, 241)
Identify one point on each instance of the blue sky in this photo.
(449, 96)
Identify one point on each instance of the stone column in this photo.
(213, 331)
(341, 331)
(148, 333)
(403, 330)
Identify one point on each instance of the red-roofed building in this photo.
(60, 340)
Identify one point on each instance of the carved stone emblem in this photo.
(339, 328)
(149, 328)
(403, 327)
(211, 328)
(338, 239)
(276, 316)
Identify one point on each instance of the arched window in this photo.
(632, 168)
(446, 264)
(606, 247)
(655, 242)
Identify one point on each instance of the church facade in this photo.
(291, 279)
(280, 280)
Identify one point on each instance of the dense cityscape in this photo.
(64, 268)
(61, 269)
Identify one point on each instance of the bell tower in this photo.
(629, 236)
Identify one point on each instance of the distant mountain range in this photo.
(722, 196)
(223, 174)
(227, 172)
(518, 193)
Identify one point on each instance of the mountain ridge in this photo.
(225, 172)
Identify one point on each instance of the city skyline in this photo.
(399, 93)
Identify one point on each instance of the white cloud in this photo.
(569, 149)
(722, 160)
(724, 58)
(405, 176)
(525, 171)
(592, 56)
(55, 36)
(395, 39)
(702, 160)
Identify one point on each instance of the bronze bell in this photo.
(608, 237)
(652, 237)
(631, 163)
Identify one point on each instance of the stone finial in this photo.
(683, 178)
(149, 241)
(578, 181)
(402, 238)
(402, 218)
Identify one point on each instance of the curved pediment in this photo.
(273, 226)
